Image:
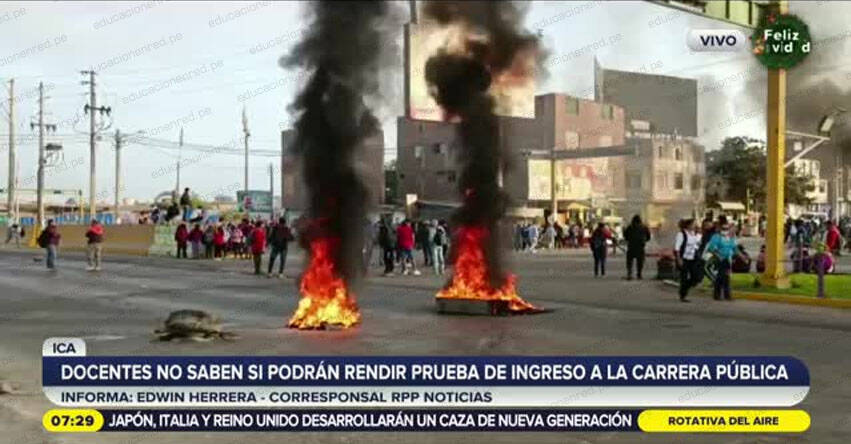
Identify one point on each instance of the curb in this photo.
(793, 299)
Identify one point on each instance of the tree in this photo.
(739, 167)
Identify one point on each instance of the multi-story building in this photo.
(668, 103)
(665, 180)
(427, 168)
(369, 164)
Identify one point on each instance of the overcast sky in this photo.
(162, 65)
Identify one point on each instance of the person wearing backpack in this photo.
(686, 247)
(209, 234)
(49, 240)
(438, 240)
(599, 248)
(279, 240)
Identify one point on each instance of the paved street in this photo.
(117, 310)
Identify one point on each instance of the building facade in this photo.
(666, 179)
(427, 150)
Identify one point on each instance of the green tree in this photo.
(739, 167)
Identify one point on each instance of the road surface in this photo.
(117, 310)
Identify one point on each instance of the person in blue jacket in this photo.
(724, 246)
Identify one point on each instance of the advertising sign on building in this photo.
(255, 201)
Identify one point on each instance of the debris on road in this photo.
(194, 325)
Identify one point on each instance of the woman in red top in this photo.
(258, 244)
(219, 241)
(181, 236)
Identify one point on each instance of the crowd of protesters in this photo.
(246, 239)
(399, 242)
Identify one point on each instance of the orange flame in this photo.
(470, 279)
(325, 300)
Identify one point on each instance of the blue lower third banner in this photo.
(383, 420)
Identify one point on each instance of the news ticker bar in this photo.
(437, 420)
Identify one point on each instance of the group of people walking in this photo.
(715, 243)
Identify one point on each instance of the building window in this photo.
(660, 181)
(419, 155)
(607, 112)
(633, 180)
(571, 140)
(660, 152)
(678, 153)
(678, 181)
(571, 105)
(696, 183)
(451, 177)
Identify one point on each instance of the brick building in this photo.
(426, 154)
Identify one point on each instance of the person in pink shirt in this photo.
(405, 239)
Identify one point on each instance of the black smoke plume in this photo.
(459, 82)
(341, 52)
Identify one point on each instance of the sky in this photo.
(163, 65)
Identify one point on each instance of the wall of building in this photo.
(669, 103)
(666, 180)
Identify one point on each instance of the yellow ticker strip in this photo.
(721, 421)
(72, 420)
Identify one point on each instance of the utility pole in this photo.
(246, 134)
(90, 108)
(117, 175)
(179, 158)
(10, 201)
(41, 160)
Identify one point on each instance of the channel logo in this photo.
(716, 40)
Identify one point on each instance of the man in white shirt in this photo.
(686, 246)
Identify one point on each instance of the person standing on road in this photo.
(438, 240)
(258, 245)
(724, 246)
(94, 248)
(686, 246)
(405, 239)
(49, 240)
(599, 248)
(636, 236)
(219, 241)
(196, 237)
(833, 239)
(387, 242)
(533, 237)
(209, 234)
(279, 240)
(181, 236)
(13, 233)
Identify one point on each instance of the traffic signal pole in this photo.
(775, 271)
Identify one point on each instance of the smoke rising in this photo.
(459, 79)
(342, 51)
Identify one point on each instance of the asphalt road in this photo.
(116, 311)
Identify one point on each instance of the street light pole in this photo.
(775, 272)
(40, 174)
(10, 201)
